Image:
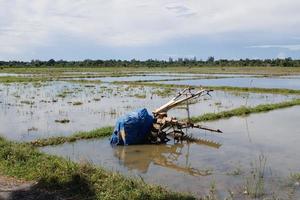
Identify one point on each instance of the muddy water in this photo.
(194, 167)
(265, 82)
(29, 111)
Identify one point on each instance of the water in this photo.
(157, 76)
(12, 74)
(202, 75)
(193, 167)
(252, 82)
(29, 111)
(131, 78)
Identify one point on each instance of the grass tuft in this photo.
(241, 111)
(97, 133)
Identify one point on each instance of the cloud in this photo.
(27, 25)
(291, 47)
(181, 10)
(281, 55)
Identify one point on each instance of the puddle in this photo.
(193, 167)
(35, 110)
(253, 82)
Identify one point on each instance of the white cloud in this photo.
(291, 47)
(25, 25)
(281, 55)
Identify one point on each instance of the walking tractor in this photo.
(140, 127)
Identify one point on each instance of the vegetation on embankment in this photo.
(107, 131)
(71, 180)
(223, 88)
(97, 133)
(244, 111)
(13, 79)
(116, 69)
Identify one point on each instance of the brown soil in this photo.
(15, 189)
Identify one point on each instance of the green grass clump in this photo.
(140, 96)
(295, 177)
(73, 181)
(164, 92)
(27, 102)
(77, 103)
(62, 121)
(244, 111)
(115, 70)
(97, 133)
(255, 181)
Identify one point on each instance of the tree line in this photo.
(188, 62)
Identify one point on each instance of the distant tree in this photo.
(51, 62)
(210, 59)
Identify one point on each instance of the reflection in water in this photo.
(136, 158)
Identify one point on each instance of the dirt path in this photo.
(14, 189)
(9, 186)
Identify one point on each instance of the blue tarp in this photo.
(136, 125)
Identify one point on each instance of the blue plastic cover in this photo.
(136, 125)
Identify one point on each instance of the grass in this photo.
(13, 79)
(223, 88)
(62, 121)
(27, 102)
(295, 177)
(255, 183)
(241, 111)
(71, 180)
(164, 92)
(77, 103)
(97, 133)
(140, 96)
(116, 70)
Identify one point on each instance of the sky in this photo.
(149, 29)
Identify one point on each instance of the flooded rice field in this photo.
(157, 76)
(268, 142)
(231, 80)
(264, 143)
(251, 82)
(35, 110)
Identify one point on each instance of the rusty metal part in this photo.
(165, 126)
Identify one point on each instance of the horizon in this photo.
(158, 60)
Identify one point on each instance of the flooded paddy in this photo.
(35, 110)
(43, 109)
(287, 82)
(131, 78)
(152, 76)
(273, 137)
